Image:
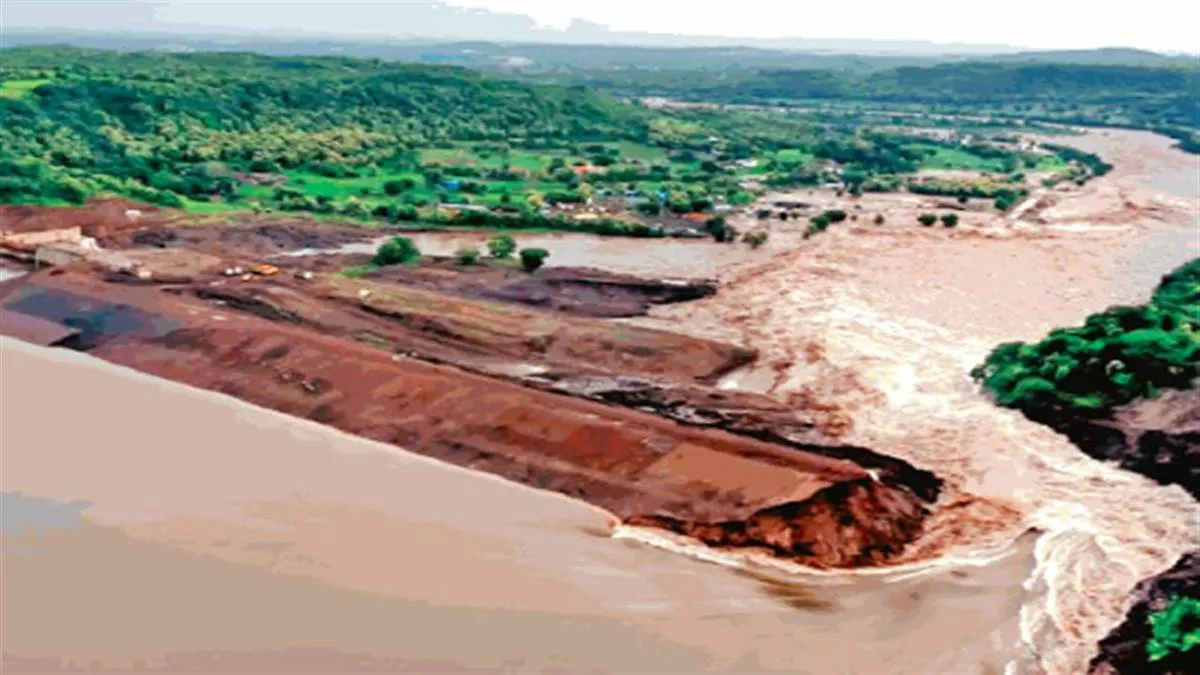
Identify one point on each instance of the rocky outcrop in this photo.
(1158, 438)
(1124, 650)
(850, 524)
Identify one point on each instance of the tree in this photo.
(835, 215)
(1004, 202)
(927, 219)
(818, 223)
(950, 219)
(397, 186)
(433, 176)
(396, 251)
(403, 212)
(502, 246)
(879, 219)
(533, 258)
(762, 214)
(467, 256)
(650, 208)
(720, 230)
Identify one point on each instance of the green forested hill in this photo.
(79, 120)
(1163, 98)
(368, 138)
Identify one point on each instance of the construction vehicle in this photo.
(264, 270)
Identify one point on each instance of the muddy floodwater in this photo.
(885, 323)
(277, 545)
(664, 257)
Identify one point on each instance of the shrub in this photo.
(502, 246)
(467, 256)
(651, 208)
(720, 230)
(396, 251)
(927, 219)
(763, 214)
(879, 219)
(533, 258)
(1175, 629)
(1004, 202)
(403, 212)
(816, 225)
(755, 239)
(950, 219)
(835, 215)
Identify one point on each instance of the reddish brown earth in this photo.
(101, 218)
(570, 290)
(815, 504)
(852, 524)
(478, 335)
(577, 291)
(252, 237)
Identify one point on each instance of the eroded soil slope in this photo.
(298, 348)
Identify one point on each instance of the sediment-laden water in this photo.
(273, 543)
(888, 323)
(149, 522)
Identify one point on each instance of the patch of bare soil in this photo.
(284, 345)
(569, 290)
(243, 239)
(100, 219)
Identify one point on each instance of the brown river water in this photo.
(147, 524)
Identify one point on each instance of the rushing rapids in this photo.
(888, 323)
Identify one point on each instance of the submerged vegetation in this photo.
(1117, 356)
(1174, 630)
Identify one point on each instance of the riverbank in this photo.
(292, 547)
(888, 322)
(872, 327)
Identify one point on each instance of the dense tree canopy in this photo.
(1117, 356)
(163, 125)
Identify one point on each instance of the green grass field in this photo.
(197, 206)
(956, 159)
(14, 89)
(1050, 163)
(793, 156)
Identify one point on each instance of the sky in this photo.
(1159, 25)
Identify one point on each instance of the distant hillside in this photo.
(1112, 56)
(550, 57)
(78, 121)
